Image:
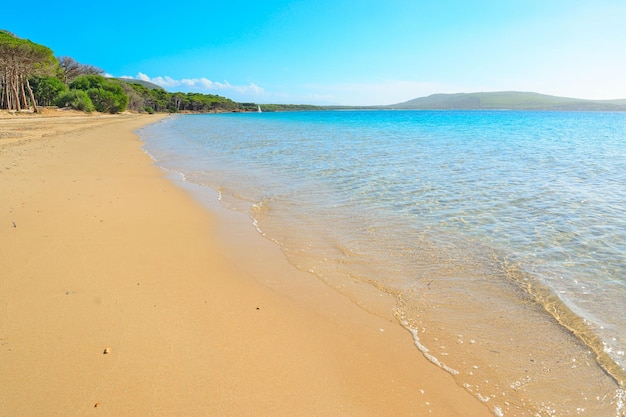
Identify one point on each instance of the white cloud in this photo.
(200, 84)
(351, 94)
(143, 77)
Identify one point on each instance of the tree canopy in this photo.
(106, 95)
(21, 59)
(30, 74)
(159, 100)
(70, 69)
(47, 89)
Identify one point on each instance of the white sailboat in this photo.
(259, 109)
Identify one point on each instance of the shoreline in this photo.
(101, 252)
(505, 361)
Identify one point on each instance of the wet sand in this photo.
(121, 295)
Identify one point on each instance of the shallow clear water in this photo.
(501, 234)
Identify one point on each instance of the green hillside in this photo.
(508, 100)
(621, 102)
(147, 84)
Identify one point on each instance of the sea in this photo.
(501, 235)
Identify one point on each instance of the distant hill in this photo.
(147, 84)
(621, 102)
(508, 100)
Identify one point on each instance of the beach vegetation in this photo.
(30, 74)
(161, 101)
(21, 59)
(47, 89)
(69, 69)
(75, 99)
(287, 107)
(135, 100)
(107, 95)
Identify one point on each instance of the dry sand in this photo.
(120, 295)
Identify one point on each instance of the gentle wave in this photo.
(478, 222)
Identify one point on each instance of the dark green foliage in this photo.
(21, 59)
(107, 101)
(283, 107)
(135, 100)
(76, 99)
(159, 100)
(26, 64)
(25, 55)
(47, 89)
(87, 82)
(106, 95)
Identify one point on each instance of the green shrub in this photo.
(76, 99)
(47, 89)
(108, 101)
(106, 95)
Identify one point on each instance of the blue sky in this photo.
(342, 51)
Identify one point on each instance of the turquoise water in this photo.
(502, 235)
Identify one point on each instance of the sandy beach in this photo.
(122, 295)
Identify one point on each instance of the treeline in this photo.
(31, 76)
(284, 107)
(142, 98)
(19, 60)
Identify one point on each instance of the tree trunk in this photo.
(6, 90)
(32, 96)
(16, 95)
(20, 81)
(3, 94)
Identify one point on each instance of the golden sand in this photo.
(121, 296)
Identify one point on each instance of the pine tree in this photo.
(19, 60)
